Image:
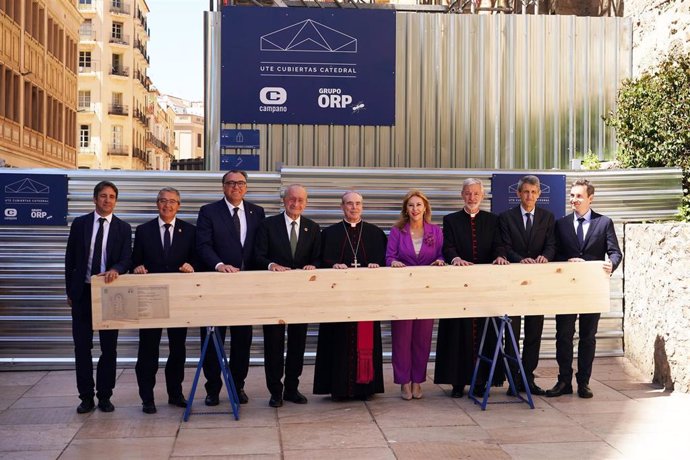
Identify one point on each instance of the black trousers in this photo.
(240, 346)
(534, 326)
(82, 334)
(274, 347)
(565, 331)
(147, 361)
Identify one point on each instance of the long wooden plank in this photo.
(297, 296)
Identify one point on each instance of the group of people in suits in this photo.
(233, 234)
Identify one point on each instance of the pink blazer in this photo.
(400, 246)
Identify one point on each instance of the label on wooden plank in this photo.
(135, 302)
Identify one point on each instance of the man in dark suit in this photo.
(99, 244)
(580, 236)
(284, 242)
(225, 232)
(165, 244)
(528, 238)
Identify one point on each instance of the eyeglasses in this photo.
(163, 201)
(235, 183)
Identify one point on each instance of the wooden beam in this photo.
(319, 296)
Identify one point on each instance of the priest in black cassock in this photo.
(470, 236)
(349, 361)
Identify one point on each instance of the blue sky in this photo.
(177, 47)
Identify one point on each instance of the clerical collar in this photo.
(470, 213)
(351, 224)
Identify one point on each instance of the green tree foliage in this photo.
(652, 120)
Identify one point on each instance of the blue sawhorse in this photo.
(227, 377)
(500, 333)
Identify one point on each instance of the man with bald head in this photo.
(284, 242)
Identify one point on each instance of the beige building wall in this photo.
(113, 85)
(189, 126)
(160, 138)
(38, 83)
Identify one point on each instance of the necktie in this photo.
(166, 239)
(293, 238)
(236, 222)
(580, 232)
(528, 224)
(98, 249)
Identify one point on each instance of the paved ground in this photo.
(627, 418)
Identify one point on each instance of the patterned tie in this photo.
(236, 222)
(98, 249)
(528, 224)
(166, 239)
(580, 232)
(293, 238)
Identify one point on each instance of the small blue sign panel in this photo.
(504, 195)
(308, 66)
(243, 162)
(239, 138)
(33, 199)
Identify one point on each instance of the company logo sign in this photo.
(337, 66)
(33, 199)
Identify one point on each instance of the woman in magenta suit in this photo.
(413, 240)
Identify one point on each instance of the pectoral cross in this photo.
(355, 263)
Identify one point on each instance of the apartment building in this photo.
(114, 86)
(38, 83)
(189, 127)
(160, 137)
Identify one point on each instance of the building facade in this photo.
(113, 89)
(189, 127)
(38, 83)
(160, 136)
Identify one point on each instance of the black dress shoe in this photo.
(295, 397)
(458, 391)
(242, 396)
(536, 390)
(583, 391)
(86, 406)
(211, 400)
(105, 405)
(560, 388)
(178, 401)
(275, 401)
(148, 407)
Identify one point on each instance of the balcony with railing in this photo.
(87, 35)
(118, 150)
(88, 67)
(143, 79)
(142, 19)
(118, 109)
(119, 8)
(119, 71)
(139, 45)
(119, 39)
(140, 115)
(86, 107)
(140, 154)
(150, 138)
(87, 7)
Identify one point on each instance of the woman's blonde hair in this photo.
(404, 217)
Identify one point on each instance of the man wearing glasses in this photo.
(225, 241)
(165, 244)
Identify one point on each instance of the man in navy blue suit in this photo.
(225, 232)
(580, 236)
(99, 244)
(528, 237)
(165, 244)
(284, 242)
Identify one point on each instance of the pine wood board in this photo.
(328, 295)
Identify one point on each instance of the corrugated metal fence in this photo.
(35, 324)
(480, 91)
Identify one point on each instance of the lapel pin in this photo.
(306, 229)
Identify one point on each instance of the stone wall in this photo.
(657, 302)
